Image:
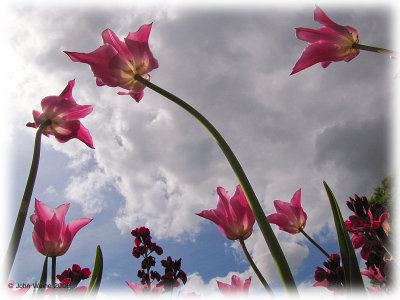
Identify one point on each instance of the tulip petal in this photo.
(67, 92)
(224, 287)
(43, 211)
(77, 112)
(315, 53)
(75, 225)
(109, 37)
(38, 243)
(316, 35)
(135, 95)
(323, 19)
(296, 199)
(99, 63)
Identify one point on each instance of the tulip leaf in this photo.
(353, 279)
(43, 278)
(97, 273)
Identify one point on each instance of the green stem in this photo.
(256, 270)
(24, 206)
(383, 245)
(53, 271)
(43, 279)
(314, 243)
(269, 236)
(375, 49)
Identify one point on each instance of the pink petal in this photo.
(223, 202)
(61, 211)
(53, 231)
(224, 288)
(315, 53)
(37, 242)
(84, 136)
(137, 288)
(315, 35)
(138, 45)
(283, 208)
(247, 284)
(135, 95)
(109, 37)
(99, 61)
(43, 211)
(75, 225)
(236, 282)
(70, 130)
(296, 199)
(283, 223)
(322, 18)
(325, 64)
(67, 92)
(142, 35)
(77, 112)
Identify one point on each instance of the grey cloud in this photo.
(360, 147)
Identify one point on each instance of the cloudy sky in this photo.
(155, 166)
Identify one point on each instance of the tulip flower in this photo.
(63, 114)
(236, 287)
(330, 43)
(233, 216)
(116, 63)
(50, 235)
(290, 217)
(139, 289)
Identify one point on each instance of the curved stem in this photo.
(375, 49)
(24, 206)
(383, 245)
(314, 243)
(253, 265)
(269, 236)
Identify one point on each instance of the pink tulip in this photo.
(290, 217)
(50, 235)
(116, 63)
(236, 287)
(233, 216)
(138, 288)
(64, 114)
(332, 42)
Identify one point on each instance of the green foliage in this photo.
(383, 194)
(97, 273)
(353, 279)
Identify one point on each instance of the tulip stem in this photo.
(375, 49)
(269, 236)
(253, 265)
(53, 271)
(314, 243)
(24, 206)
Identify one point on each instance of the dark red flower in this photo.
(333, 277)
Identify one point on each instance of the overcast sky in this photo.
(156, 166)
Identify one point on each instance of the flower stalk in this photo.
(314, 243)
(269, 236)
(375, 49)
(53, 271)
(256, 270)
(24, 206)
